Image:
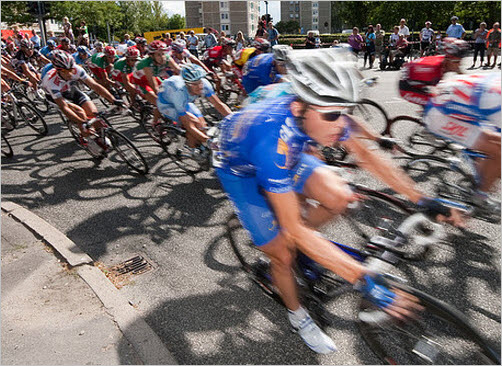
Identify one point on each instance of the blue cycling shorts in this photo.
(251, 205)
(172, 114)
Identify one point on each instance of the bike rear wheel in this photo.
(373, 114)
(33, 118)
(413, 137)
(126, 150)
(441, 335)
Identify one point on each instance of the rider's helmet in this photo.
(65, 40)
(455, 48)
(261, 44)
(228, 42)
(51, 43)
(110, 51)
(132, 52)
(82, 50)
(325, 78)
(156, 46)
(178, 46)
(192, 73)
(281, 52)
(140, 40)
(26, 43)
(98, 45)
(62, 60)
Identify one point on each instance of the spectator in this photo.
(35, 40)
(394, 37)
(273, 35)
(455, 30)
(310, 40)
(479, 44)
(128, 41)
(98, 48)
(18, 39)
(192, 43)
(210, 39)
(82, 32)
(181, 36)
(261, 32)
(439, 41)
(401, 48)
(493, 44)
(168, 40)
(240, 41)
(370, 38)
(379, 37)
(403, 29)
(263, 21)
(426, 36)
(356, 41)
(67, 30)
(222, 36)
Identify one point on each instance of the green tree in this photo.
(16, 12)
(176, 22)
(288, 27)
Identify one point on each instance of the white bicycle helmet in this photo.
(327, 77)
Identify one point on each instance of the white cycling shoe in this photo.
(312, 335)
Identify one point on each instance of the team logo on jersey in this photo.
(282, 149)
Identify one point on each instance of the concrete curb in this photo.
(145, 341)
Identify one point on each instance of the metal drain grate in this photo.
(136, 265)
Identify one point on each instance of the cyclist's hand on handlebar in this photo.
(119, 103)
(386, 143)
(440, 212)
(405, 305)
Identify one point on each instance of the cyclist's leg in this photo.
(151, 97)
(313, 179)
(191, 123)
(489, 169)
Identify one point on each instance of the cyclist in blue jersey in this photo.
(47, 50)
(82, 56)
(175, 101)
(264, 169)
(262, 70)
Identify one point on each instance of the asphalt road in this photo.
(196, 298)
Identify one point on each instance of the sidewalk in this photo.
(55, 314)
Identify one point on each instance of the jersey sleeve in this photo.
(270, 158)
(170, 94)
(80, 73)
(208, 88)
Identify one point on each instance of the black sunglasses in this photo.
(331, 116)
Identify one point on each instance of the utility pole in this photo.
(108, 31)
(41, 22)
(266, 7)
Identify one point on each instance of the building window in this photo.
(224, 16)
(224, 27)
(314, 27)
(291, 2)
(291, 15)
(315, 20)
(315, 5)
(252, 5)
(315, 12)
(296, 15)
(223, 5)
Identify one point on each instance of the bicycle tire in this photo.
(414, 140)
(34, 119)
(6, 147)
(373, 114)
(174, 143)
(145, 120)
(440, 333)
(75, 133)
(119, 141)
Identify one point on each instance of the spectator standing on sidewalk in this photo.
(370, 38)
(192, 43)
(35, 39)
(167, 39)
(261, 32)
(128, 41)
(426, 37)
(455, 30)
(82, 32)
(240, 41)
(479, 44)
(356, 41)
(310, 40)
(493, 44)
(403, 29)
(67, 29)
(273, 35)
(210, 39)
(379, 40)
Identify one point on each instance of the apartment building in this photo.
(227, 16)
(312, 15)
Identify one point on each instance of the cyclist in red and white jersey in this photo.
(217, 56)
(419, 76)
(141, 45)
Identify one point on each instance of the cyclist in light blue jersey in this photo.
(265, 164)
(47, 50)
(175, 101)
(82, 56)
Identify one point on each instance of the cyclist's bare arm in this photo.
(221, 107)
(127, 85)
(74, 117)
(151, 80)
(98, 88)
(381, 167)
(10, 74)
(174, 66)
(31, 75)
(44, 59)
(195, 60)
(287, 210)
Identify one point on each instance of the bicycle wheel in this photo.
(174, 143)
(441, 335)
(127, 151)
(413, 136)
(33, 118)
(38, 100)
(373, 114)
(97, 154)
(6, 148)
(146, 120)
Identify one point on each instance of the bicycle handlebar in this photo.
(415, 221)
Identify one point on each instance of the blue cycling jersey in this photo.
(259, 71)
(174, 95)
(263, 141)
(45, 69)
(79, 60)
(46, 51)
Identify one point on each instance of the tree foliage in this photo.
(133, 17)
(289, 26)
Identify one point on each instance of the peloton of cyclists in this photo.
(22, 61)
(123, 68)
(101, 65)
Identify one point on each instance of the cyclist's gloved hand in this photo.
(26, 82)
(119, 103)
(432, 207)
(386, 143)
(374, 291)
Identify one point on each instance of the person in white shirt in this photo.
(426, 36)
(192, 43)
(403, 29)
